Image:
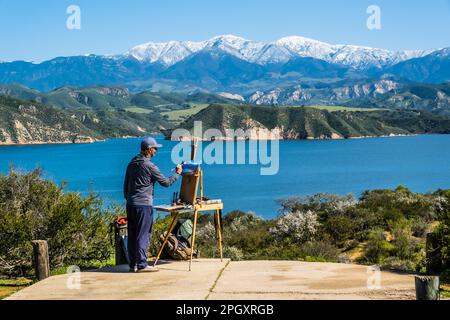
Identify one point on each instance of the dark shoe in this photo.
(132, 270)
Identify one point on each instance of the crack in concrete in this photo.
(217, 279)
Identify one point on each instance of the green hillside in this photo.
(24, 122)
(178, 116)
(105, 98)
(314, 123)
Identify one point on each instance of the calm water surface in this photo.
(422, 163)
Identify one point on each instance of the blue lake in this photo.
(422, 163)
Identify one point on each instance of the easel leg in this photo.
(193, 237)
(219, 233)
(169, 230)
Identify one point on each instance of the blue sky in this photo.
(36, 30)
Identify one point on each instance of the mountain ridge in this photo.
(250, 66)
(280, 50)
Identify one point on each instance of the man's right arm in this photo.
(158, 176)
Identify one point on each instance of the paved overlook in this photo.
(212, 279)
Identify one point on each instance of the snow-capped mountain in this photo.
(231, 64)
(169, 53)
(279, 51)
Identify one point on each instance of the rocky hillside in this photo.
(431, 97)
(312, 123)
(339, 93)
(23, 122)
(384, 93)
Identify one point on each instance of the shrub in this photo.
(377, 247)
(320, 250)
(207, 232)
(296, 226)
(340, 228)
(287, 251)
(399, 203)
(31, 208)
(407, 247)
(233, 253)
(229, 217)
(419, 227)
(249, 233)
(344, 258)
(396, 263)
(321, 203)
(442, 233)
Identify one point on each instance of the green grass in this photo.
(10, 286)
(341, 108)
(445, 290)
(177, 116)
(139, 110)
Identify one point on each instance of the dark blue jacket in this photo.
(140, 178)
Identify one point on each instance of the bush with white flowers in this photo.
(298, 225)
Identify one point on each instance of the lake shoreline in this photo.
(392, 135)
(205, 140)
(40, 143)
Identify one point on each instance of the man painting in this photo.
(139, 187)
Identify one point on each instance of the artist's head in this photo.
(149, 147)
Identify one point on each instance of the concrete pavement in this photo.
(173, 281)
(270, 280)
(213, 279)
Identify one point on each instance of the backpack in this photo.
(176, 248)
(179, 242)
(183, 230)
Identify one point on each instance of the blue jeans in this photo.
(140, 222)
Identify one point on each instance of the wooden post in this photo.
(41, 259)
(427, 288)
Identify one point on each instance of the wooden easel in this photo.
(188, 195)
